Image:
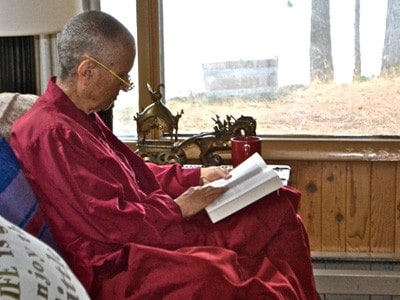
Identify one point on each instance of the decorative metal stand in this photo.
(165, 151)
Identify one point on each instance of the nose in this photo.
(124, 87)
(127, 85)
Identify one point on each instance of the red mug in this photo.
(242, 147)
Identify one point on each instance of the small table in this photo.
(283, 172)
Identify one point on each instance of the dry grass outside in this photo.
(369, 107)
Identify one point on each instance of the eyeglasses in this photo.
(128, 84)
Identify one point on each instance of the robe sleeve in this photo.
(173, 179)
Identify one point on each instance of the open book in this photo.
(250, 181)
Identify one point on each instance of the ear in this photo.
(85, 72)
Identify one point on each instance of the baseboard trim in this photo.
(357, 282)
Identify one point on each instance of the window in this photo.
(252, 58)
(126, 105)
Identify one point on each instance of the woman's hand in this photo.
(213, 173)
(197, 198)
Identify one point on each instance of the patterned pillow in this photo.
(18, 203)
(31, 269)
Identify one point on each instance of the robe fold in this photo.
(114, 218)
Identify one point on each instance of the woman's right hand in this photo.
(197, 198)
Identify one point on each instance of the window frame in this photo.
(280, 147)
(149, 45)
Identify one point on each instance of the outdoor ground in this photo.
(370, 107)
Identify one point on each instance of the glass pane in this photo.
(252, 58)
(126, 105)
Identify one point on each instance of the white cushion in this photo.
(32, 270)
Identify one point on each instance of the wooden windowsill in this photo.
(338, 149)
(307, 148)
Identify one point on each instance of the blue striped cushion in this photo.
(18, 203)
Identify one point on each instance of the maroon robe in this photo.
(115, 221)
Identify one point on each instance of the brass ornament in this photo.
(171, 150)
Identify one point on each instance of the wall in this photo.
(350, 191)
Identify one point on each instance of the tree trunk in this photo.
(391, 49)
(321, 65)
(357, 51)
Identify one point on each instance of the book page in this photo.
(250, 181)
(247, 169)
(230, 207)
(240, 186)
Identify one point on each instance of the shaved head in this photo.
(90, 33)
